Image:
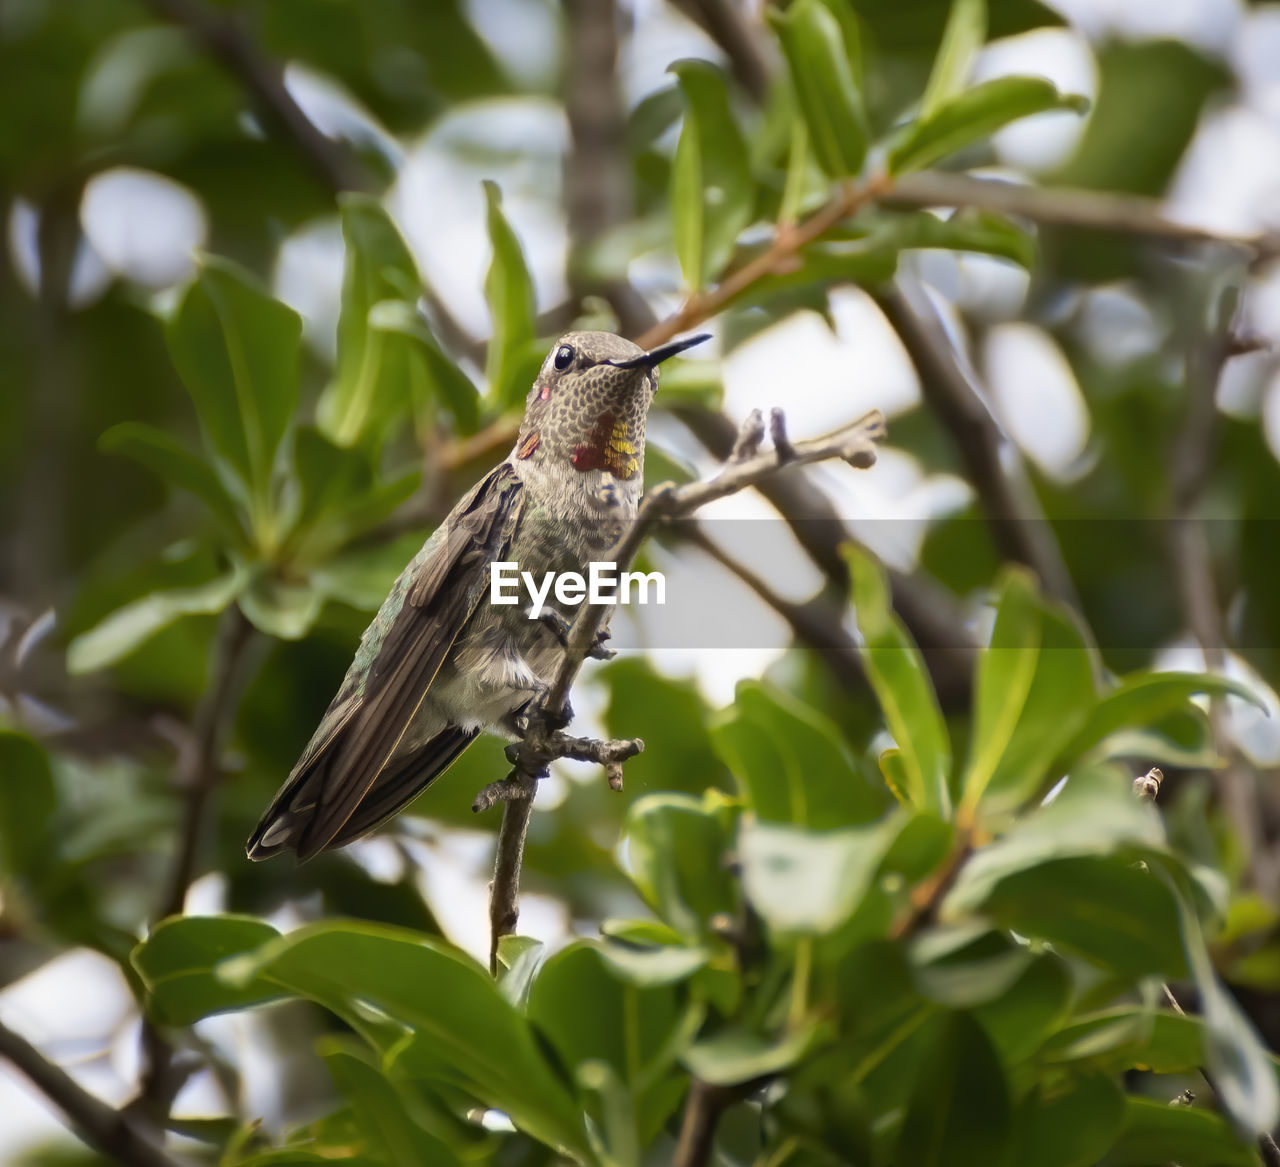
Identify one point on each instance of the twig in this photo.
(1191, 460)
(226, 39)
(739, 38)
(107, 1130)
(199, 774)
(543, 740)
(702, 1110)
(1013, 512)
(1066, 207)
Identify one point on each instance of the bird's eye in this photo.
(563, 358)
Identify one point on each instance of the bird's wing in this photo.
(398, 659)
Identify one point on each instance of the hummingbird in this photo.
(440, 663)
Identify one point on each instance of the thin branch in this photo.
(739, 38)
(1065, 207)
(543, 740)
(107, 1130)
(1191, 461)
(702, 1110)
(226, 39)
(1012, 511)
(199, 775)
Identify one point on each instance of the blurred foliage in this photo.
(868, 920)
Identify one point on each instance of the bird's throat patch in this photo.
(608, 447)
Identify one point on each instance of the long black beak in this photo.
(655, 356)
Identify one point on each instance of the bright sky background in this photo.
(143, 226)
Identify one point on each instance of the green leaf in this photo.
(1057, 702)
(735, 1055)
(675, 847)
(519, 957)
(236, 350)
(177, 963)
(1069, 1124)
(460, 1026)
(589, 1015)
(508, 289)
(1142, 700)
(127, 628)
(647, 966)
(970, 229)
(791, 763)
(1006, 670)
(973, 115)
(965, 32)
(166, 457)
(1021, 1019)
(808, 883)
(442, 380)
(285, 609)
(959, 1113)
(964, 965)
(712, 192)
(1155, 1132)
(380, 1109)
(1244, 1079)
(371, 383)
(902, 686)
(830, 100)
(27, 803)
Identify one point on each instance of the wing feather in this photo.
(359, 735)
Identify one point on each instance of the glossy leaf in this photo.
(1155, 1132)
(733, 1056)
(791, 763)
(960, 1113)
(902, 686)
(129, 627)
(178, 964)
(963, 36)
(236, 349)
(817, 54)
(508, 289)
(974, 115)
(372, 380)
(166, 457)
(1070, 1124)
(809, 882)
(712, 193)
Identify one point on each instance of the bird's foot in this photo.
(560, 627)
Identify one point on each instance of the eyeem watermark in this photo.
(601, 585)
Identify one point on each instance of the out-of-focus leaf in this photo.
(676, 846)
(808, 883)
(444, 381)
(1155, 1132)
(973, 229)
(902, 686)
(965, 965)
(1006, 670)
(649, 965)
(813, 41)
(1244, 1078)
(363, 577)
(965, 32)
(27, 802)
(1071, 1124)
(713, 195)
(508, 289)
(128, 627)
(281, 608)
(460, 1026)
(177, 964)
(165, 456)
(589, 1015)
(1022, 1018)
(791, 763)
(371, 382)
(519, 957)
(236, 349)
(973, 115)
(1095, 814)
(380, 1109)
(733, 1056)
(1142, 700)
(959, 1114)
